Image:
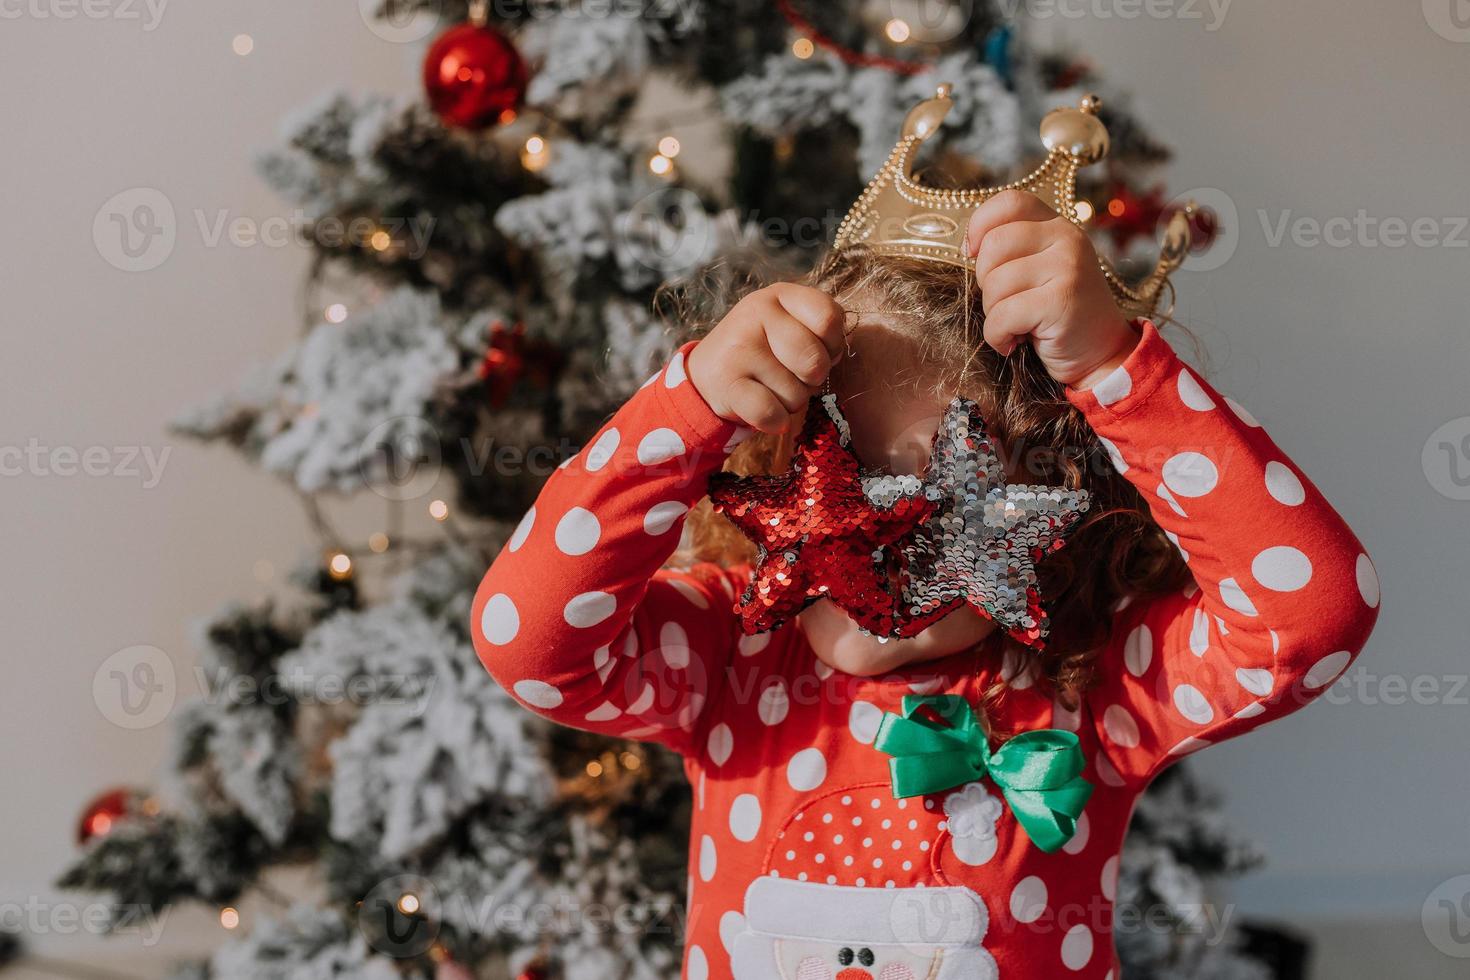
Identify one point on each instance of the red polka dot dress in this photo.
(803, 865)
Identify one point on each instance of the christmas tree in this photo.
(490, 258)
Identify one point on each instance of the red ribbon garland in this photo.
(848, 55)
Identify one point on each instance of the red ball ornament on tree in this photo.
(474, 77)
(1204, 226)
(103, 812)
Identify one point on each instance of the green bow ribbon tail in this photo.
(1038, 772)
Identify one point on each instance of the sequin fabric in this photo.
(985, 536)
(824, 529)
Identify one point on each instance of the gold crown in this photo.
(898, 215)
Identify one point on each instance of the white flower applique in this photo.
(972, 813)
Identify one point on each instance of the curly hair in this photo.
(1116, 553)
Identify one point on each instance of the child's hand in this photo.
(1039, 278)
(769, 355)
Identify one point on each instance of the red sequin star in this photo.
(821, 528)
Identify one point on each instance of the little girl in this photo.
(1209, 589)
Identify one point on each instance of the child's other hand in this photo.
(769, 355)
(1039, 278)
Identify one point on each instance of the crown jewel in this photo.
(899, 215)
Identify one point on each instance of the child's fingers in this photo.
(757, 406)
(1016, 276)
(765, 368)
(799, 350)
(1002, 209)
(817, 312)
(1010, 242)
(1013, 318)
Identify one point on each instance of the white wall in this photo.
(1351, 356)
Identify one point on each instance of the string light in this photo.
(229, 917)
(630, 761)
(594, 769)
(408, 903)
(335, 313)
(243, 44)
(897, 30)
(661, 165)
(1084, 211)
(381, 240)
(339, 566)
(378, 542)
(438, 510)
(669, 147)
(1117, 206)
(536, 153)
(803, 48)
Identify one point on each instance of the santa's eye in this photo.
(865, 956)
(844, 956)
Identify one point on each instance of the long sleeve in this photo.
(577, 618)
(1284, 596)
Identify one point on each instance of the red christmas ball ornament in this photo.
(1204, 226)
(512, 357)
(103, 812)
(533, 971)
(474, 77)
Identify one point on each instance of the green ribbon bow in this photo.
(1039, 772)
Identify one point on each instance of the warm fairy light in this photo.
(1117, 206)
(336, 313)
(243, 44)
(630, 761)
(229, 917)
(660, 165)
(381, 240)
(803, 48)
(408, 903)
(340, 566)
(536, 153)
(100, 824)
(438, 510)
(897, 31)
(594, 769)
(669, 147)
(1084, 210)
(378, 542)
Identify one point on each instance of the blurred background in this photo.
(170, 173)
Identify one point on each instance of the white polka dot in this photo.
(1174, 540)
(1114, 388)
(1258, 682)
(1106, 772)
(577, 532)
(1028, 899)
(1077, 947)
(1282, 569)
(1251, 710)
(1192, 704)
(1199, 633)
(674, 374)
(689, 592)
(1065, 718)
(589, 609)
(721, 744)
(806, 770)
(745, 817)
(1326, 670)
(538, 694)
(738, 437)
(1119, 463)
(602, 450)
(644, 700)
(1188, 745)
(1242, 414)
(522, 531)
(863, 720)
(606, 711)
(1190, 474)
(673, 645)
(749, 646)
(1232, 595)
(500, 621)
(1192, 394)
(1283, 486)
(774, 703)
(659, 446)
(1138, 650)
(651, 379)
(1109, 881)
(732, 924)
(1168, 498)
(661, 517)
(1079, 840)
(1368, 581)
(1120, 727)
(707, 858)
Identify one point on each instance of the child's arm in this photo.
(576, 617)
(1284, 595)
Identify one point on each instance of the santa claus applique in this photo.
(852, 889)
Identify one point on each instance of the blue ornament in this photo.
(998, 53)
